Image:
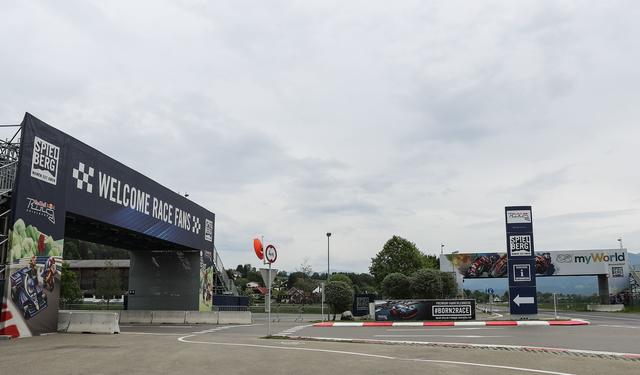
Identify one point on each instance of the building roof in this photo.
(99, 263)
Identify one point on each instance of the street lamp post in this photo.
(620, 240)
(328, 273)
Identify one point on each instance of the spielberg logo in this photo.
(518, 216)
(38, 207)
(44, 163)
(208, 230)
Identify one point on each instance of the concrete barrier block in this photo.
(234, 317)
(88, 322)
(605, 308)
(201, 317)
(135, 317)
(168, 317)
(64, 319)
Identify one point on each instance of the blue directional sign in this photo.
(523, 300)
(521, 260)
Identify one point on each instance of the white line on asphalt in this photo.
(485, 365)
(472, 364)
(613, 326)
(225, 327)
(449, 336)
(292, 330)
(596, 316)
(152, 333)
(442, 329)
(154, 326)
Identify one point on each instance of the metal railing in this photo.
(228, 283)
(230, 308)
(8, 176)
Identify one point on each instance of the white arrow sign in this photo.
(524, 300)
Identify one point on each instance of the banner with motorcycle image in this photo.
(611, 262)
(425, 309)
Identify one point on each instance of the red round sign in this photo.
(257, 247)
(270, 254)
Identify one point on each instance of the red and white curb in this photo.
(489, 323)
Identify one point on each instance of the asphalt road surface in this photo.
(608, 332)
(242, 349)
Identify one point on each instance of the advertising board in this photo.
(430, 309)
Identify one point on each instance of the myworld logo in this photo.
(599, 257)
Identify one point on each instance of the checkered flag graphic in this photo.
(196, 225)
(82, 177)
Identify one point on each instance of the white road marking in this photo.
(596, 316)
(443, 329)
(222, 328)
(360, 354)
(490, 366)
(152, 333)
(154, 326)
(292, 330)
(448, 336)
(613, 326)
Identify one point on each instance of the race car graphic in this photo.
(403, 311)
(26, 292)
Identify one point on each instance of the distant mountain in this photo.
(634, 259)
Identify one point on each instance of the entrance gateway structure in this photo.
(53, 186)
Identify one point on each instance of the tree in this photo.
(108, 283)
(396, 285)
(449, 285)
(71, 250)
(341, 277)
(294, 277)
(426, 283)
(306, 268)
(339, 296)
(69, 289)
(397, 255)
(430, 261)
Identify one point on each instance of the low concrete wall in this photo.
(168, 317)
(201, 317)
(605, 308)
(184, 317)
(135, 316)
(234, 317)
(88, 322)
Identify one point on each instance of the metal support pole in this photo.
(555, 308)
(328, 272)
(322, 301)
(269, 300)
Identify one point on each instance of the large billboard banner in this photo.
(611, 262)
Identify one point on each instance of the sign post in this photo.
(270, 256)
(521, 261)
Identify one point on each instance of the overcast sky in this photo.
(366, 119)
